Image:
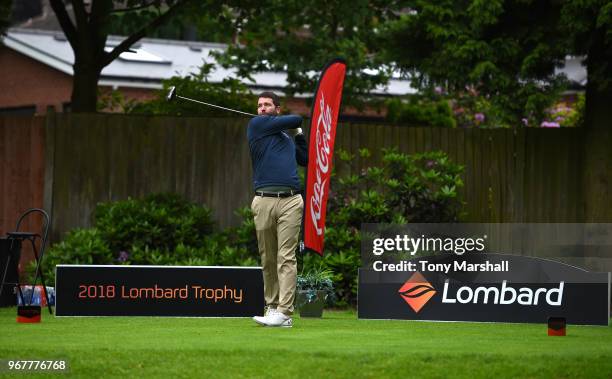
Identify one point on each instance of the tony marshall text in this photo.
(423, 266)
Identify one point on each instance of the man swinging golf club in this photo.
(277, 205)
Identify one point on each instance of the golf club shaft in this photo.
(216, 106)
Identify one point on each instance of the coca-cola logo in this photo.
(323, 162)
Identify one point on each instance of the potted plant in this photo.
(314, 288)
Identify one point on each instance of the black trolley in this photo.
(15, 240)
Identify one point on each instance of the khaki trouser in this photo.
(278, 221)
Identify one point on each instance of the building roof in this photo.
(158, 59)
(153, 61)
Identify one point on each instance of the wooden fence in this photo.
(22, 173)
(69, 163)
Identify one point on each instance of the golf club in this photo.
(172, 95)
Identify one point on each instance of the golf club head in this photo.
(171, 94)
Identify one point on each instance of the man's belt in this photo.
(277, 194)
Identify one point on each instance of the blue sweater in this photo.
(273, 151)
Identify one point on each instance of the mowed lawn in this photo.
(336, 346)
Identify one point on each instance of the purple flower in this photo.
(548, 124)
(438, 90)
(123, 256)
(430, 164)
(525, 122)
(479, 117)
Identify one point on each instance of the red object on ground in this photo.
(28, 314)
(556, 326)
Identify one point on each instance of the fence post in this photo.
(49, 154)
(597, 175)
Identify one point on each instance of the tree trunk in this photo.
(598, 107)
(88, 55)
(597, 172)
(87, 36)
(598, 111)
(85, 86)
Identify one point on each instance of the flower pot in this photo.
(310, 303)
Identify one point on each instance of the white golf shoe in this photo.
(279, 319)
(274, 318)
(261, 320)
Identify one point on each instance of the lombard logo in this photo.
(417, 291)
(505, 295)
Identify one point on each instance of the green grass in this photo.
(338, 345)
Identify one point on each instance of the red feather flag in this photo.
(323, 123)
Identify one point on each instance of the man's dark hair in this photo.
(271, 95)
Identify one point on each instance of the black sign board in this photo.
(483, 287)
(89, 290)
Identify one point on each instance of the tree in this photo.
(299, 38)
(507, 50)
(188, 26)
(230, 93)
(88, 32)
(5, 15)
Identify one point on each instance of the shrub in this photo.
(317, 279)
(160, 222)
(81, 246)
(160, 229)
(464, 108)
(404, 189)
(236, 246)
(566, 114)
(420, 112)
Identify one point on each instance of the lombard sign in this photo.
(188, 291)
(534, 291)
(478, 286)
